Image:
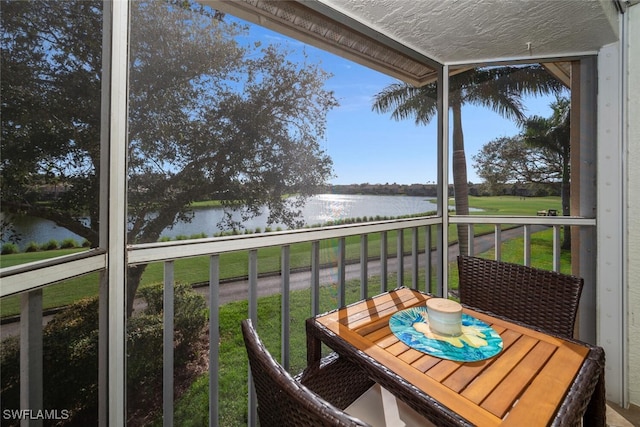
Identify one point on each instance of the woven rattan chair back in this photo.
(540, 298)
(283, 401)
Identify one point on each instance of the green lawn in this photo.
(513, 205)
(196, 270)
(192, 408)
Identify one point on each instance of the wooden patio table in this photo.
(537, 379)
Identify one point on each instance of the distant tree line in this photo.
(431, 190)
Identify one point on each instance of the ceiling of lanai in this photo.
(477, 31)
(409, 39)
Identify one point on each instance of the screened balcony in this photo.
(339, 278)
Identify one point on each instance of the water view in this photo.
(318, 210)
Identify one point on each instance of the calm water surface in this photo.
(319, 209)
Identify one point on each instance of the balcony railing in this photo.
(29, 279)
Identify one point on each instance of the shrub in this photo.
(32, 247)
(70, 354)
(144, 340)
(9, 248)
(68, 243)
(10, 368)
(50, 245)
(86, 243)
(190, 315)
(70, 363)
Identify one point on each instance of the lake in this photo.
(319, 209)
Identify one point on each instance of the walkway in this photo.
(239, 289)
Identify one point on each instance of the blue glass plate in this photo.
(478, 341)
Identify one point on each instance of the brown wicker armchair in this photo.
(545, 300)
(540, 298)
(285, 401)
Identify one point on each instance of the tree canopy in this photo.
(209, 117)
(540, 154)
(498, 88)
(509, 159)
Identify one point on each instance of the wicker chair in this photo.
(285, 401)
(545, 300)
(540, 298)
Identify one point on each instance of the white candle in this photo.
(445, 316)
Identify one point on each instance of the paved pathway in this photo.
(238, 290)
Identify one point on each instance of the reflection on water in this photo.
(329, 207)
(319, 209)
(38, 230)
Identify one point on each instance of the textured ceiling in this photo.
(478, 31)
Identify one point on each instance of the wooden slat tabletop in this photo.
(523, 385)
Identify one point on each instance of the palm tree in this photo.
(554, 133)
(498, 88)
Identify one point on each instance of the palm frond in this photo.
(404, 101)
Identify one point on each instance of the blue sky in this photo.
(368, 147)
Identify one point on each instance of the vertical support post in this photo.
(253, 315)
(285, 306)
(341, 272)
(214, 339)
(384, 256)
(400, 256)
(471, 240)
(31, 355)
(527, 245)
(118, 65)
(167, 344)
(557, 245)
(253, 286)
(103, 349)
(427, 257)
(441, 268)
(443, 179)
(315, 278)
(414, 258)
(604, 303)
(575, 165)
(104, 205)
(498, 242)
(364, 264)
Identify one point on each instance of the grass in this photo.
(206, 204)
(192, 408)
(513, 205)
(196, 270)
